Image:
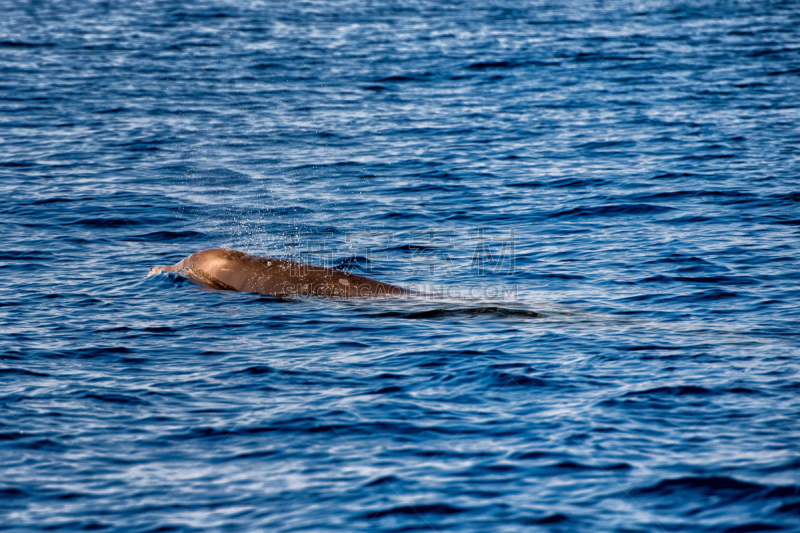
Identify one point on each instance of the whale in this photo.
(231, 270)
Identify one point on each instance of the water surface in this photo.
(615, 182)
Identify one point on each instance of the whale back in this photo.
(225, 269)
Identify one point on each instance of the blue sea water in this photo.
(602, 197)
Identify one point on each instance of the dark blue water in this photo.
(604, 196)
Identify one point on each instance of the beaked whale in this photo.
(224, 269)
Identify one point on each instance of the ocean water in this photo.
(602, 200)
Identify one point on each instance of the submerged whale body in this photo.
(220, 268)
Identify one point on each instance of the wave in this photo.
(612, 210)
(491, 310)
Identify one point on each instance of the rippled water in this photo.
(604, 195)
